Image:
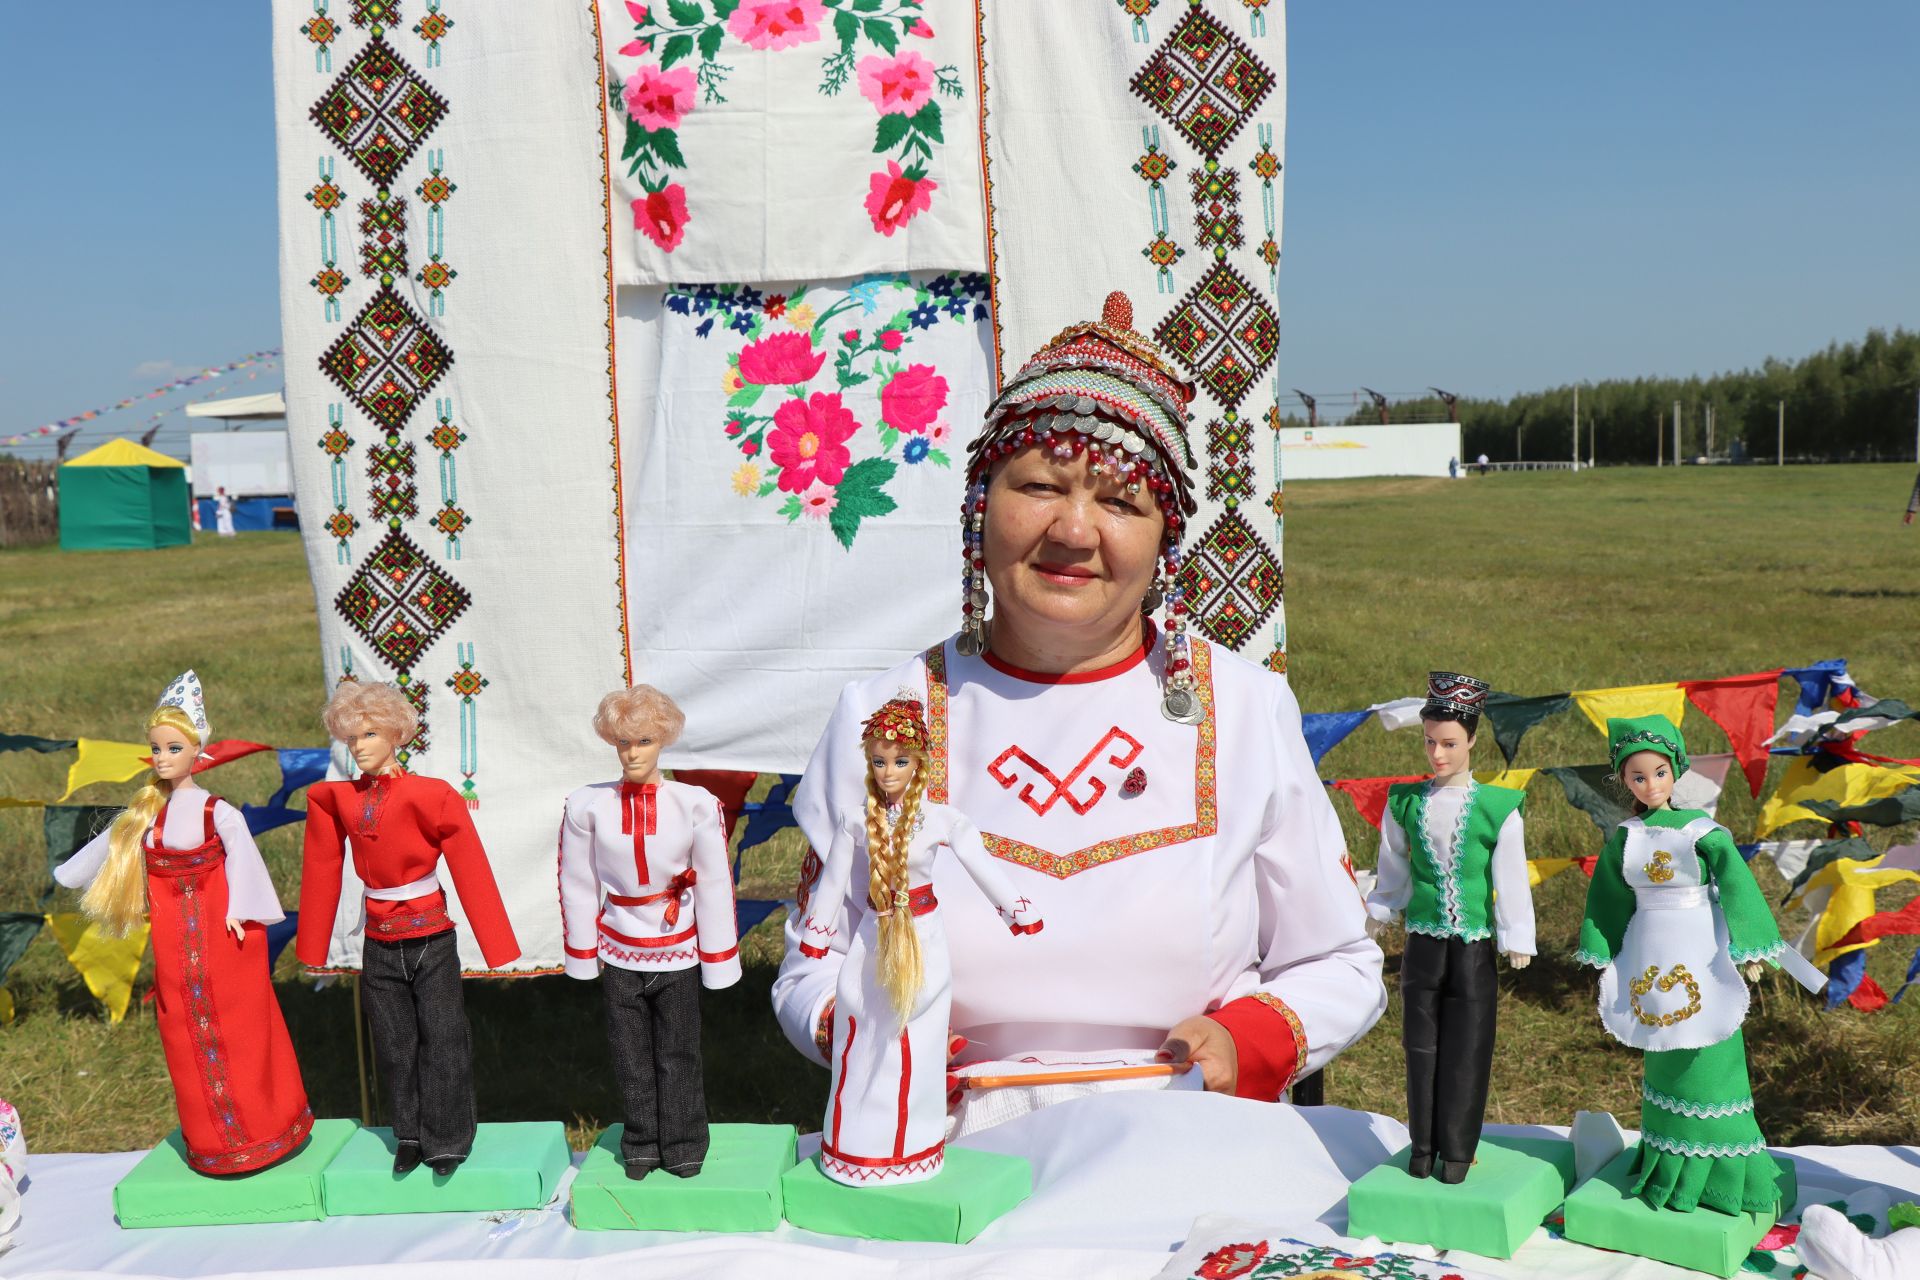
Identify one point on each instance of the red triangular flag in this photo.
(1743, 708)
(226, 751)
(1370, 794)
(1904, 921)
(1868, 996)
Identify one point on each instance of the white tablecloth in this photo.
(1119, 1182)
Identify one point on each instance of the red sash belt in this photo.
(920, 899)
(675, 887)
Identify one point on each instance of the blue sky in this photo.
(1486, 195)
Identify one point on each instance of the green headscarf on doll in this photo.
(1631, 734)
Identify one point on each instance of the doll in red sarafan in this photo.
(400, 827)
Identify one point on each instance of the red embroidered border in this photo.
(840, 1082)
(258, 1155)
(203, 1018)
(1060, 866)
(664, 940)
(1280, 1007)
(886, 1167)
(613, 372)
(906, 1086)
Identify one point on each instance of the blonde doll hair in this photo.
(385, 707)
(640, 712)
(117, 898)
(899, 965)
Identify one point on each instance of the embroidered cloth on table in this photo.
(445, 303)
(1175, 116)
(865, 123)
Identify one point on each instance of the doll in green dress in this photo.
(1674, 920)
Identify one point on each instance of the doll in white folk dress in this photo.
(886, 1107)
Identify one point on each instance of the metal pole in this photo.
(1783, 434)
(1676, 433)
(1660, 438)
(1576, 428)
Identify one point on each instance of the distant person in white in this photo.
(223, 512)
(1481, 462)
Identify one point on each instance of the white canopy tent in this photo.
(241, 408)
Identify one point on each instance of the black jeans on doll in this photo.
(653, 1028)
(421, 1041)
(1448, 993)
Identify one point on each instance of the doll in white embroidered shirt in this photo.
(886, 1111)
(646, 904)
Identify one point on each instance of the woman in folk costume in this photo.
(400, 826)
(1158, 789)
(1453, 857)
(646, 905)
(1673, 919)
(187, 861)
(886, 1110)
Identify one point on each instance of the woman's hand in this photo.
(237, 928)
(1752, 970)
(1209, 1046)
(1518, 960)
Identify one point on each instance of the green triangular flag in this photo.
(1587, 790)
(1887, 811)
(18, 929)
(1513, 715)
(67, 827)
(1825, 854)
(32, 742)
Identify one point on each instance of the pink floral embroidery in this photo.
(662, 215)
(894, 197)
(921, 29)
(899, 85)
(638, 12)
(939, 432)
(780, 360)
(818, 502)
(808, 441)
(913, 398)
(636, 48)
(777, 24)
(890, 339)
(657, 99)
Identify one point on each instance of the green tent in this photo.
(123, 496)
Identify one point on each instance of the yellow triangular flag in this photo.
(1848, 784)
(107, 964)
(6, 1006)
(1668, 700)
(1541, 870)
(1515, 778)
(100, 761)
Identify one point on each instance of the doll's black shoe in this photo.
(1453, 1172)
(406, 1158)
(1420, 1166)
(639, 1171)
(685, 1170)
(443, 1166)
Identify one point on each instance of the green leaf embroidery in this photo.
(870, 474)
(686, 12)
(866, 6)
(791, 507)
(666, 145)
(892, 128)
(856, 500)
(888, 438)
(767, 488)
(938, 457)
(678, 47)
(847, 28)
(710, 41)
(747, 395)
(882, 33)
(927, 120)
(723, 9)
(636, 136)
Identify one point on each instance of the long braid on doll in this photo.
(898, 964)
(117, 898)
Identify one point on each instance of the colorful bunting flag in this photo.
(1513, 715)
(65, 827)
(225, 751)
(29, 742)
(1369, 795)
(1824, 854)
(1700, 786)
(1846, 785)
(1818, 683)
(101, 761)
(1602, 705)
(1401, 713)
(18, 929)
(299, 767)
(1326, 730)
(1514, 778)
(1541, 870)
(1743, 707)
(1888, 811)
(107, 964)
(1589, 791)
(1853, 883)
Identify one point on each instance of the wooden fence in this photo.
(29, 503)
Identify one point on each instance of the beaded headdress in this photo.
(1451, 691)
(1630, 734)
(901, 720)
(1101, 389)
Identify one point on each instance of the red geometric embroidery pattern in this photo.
(1224, 332)
(383, 250)
(387, 360)
(1063, 787)
(1206, 798)
(393, 494)
(401, 602)
(1230, 467)
(378, 111)
(1216, 206)
(1204, 81)
(1232, 581)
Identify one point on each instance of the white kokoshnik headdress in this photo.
(185, 693)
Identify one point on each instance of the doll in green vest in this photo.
(1453, 858)
(1674, 921)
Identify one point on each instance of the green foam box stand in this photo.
(737, 1188)
(1514, 1184)
(513, 1166)
(162, 1191)
(952, 1207)
(1603, 1213)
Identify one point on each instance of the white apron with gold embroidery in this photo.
(1219, 873)
(1674, 984)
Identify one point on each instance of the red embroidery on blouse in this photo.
(810, 869)
(1063, 787)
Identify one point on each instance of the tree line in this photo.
(1853, 402)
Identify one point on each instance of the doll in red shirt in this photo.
(400, 826)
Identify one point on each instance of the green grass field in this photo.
(1538, 582)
